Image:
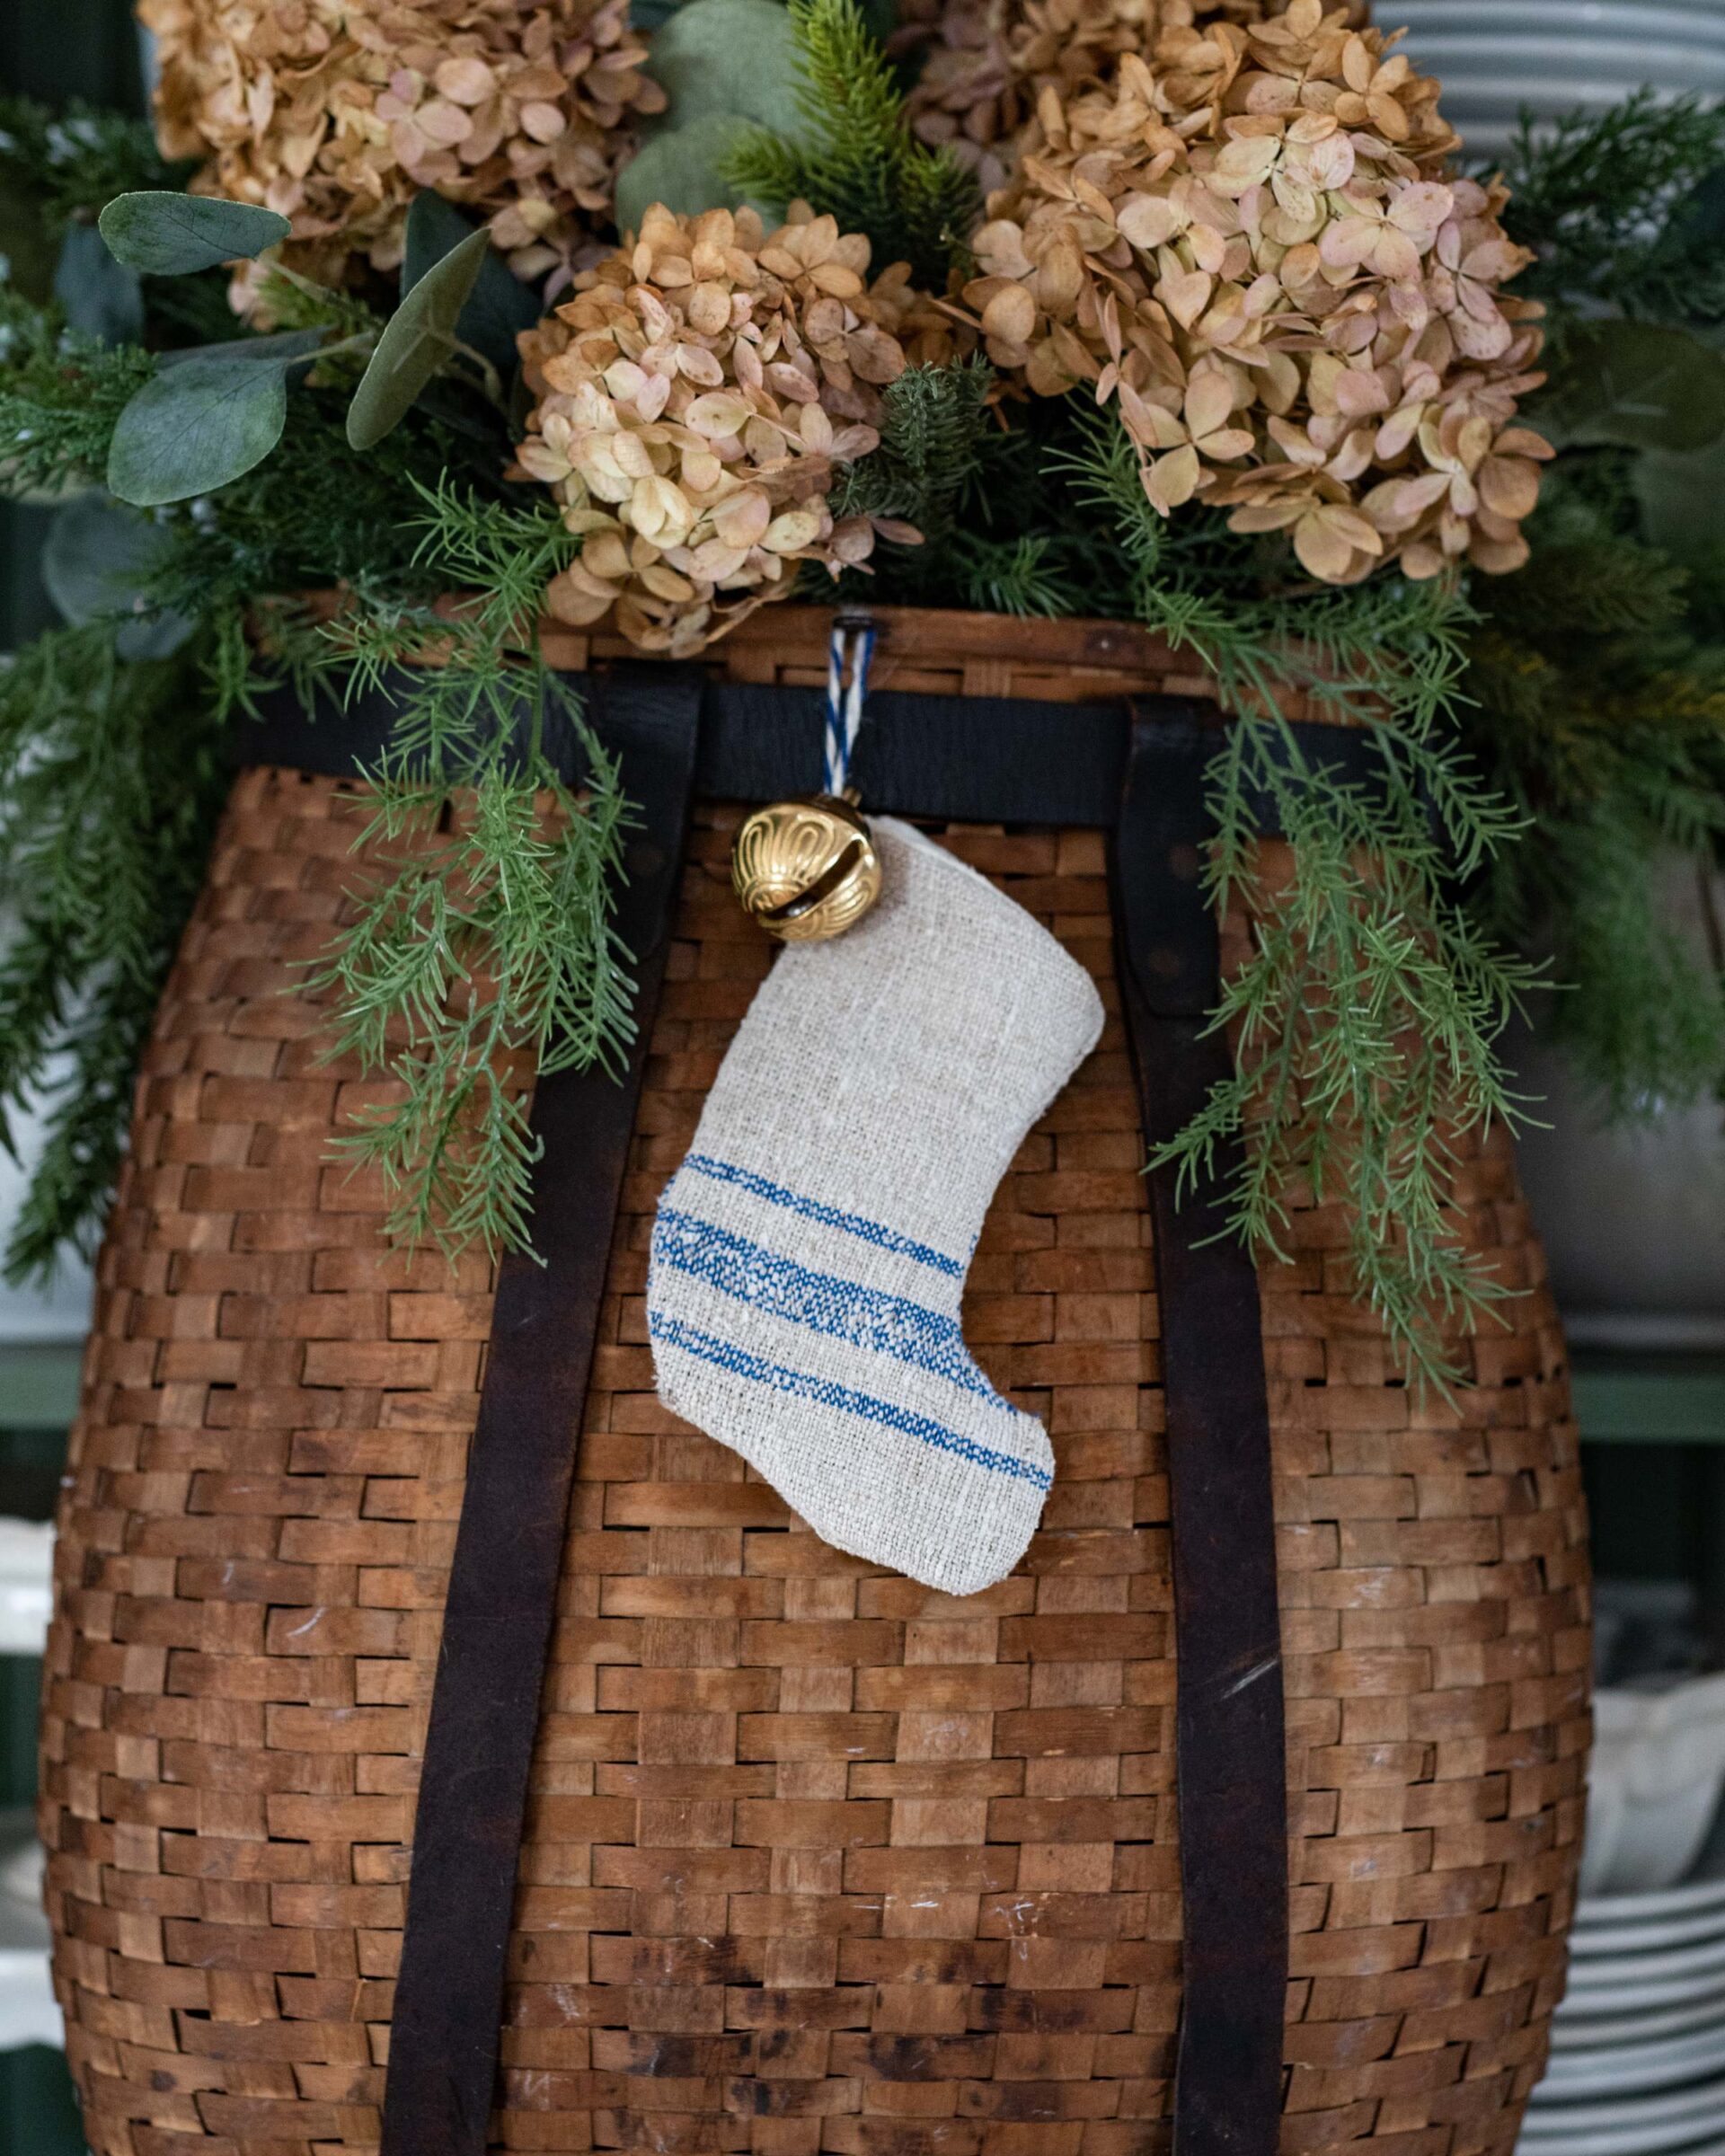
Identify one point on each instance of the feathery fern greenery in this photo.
(482, 944)
(110, 784)
(1597, 703)
(866, 168)
(931, 426)
(60, 395)
(1624, 208)
(1365, 1015)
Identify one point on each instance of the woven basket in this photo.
(817, 1860)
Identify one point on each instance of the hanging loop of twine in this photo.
(850, 651)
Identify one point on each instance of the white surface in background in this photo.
(26, 1584)
(28, 2013)
(1653, 1786)
(60, 1312)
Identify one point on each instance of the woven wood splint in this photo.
(816, 1860)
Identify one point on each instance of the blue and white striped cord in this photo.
(853, 645)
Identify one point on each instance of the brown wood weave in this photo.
(818, 1861)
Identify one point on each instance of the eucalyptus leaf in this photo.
(417, 341)
(501, 305)
(682, 167)
(99, 296)
(733, 56)
(289, 345)
(1637, 384)
(197, 425)
(167, 235)
(99, 555)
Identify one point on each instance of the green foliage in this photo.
(61, 394)
(98, 563)
(1597, 703)
(98, 297)
(1598, 678)
(73, 161)
(725, 67)
(687, 168)
(1021, 576)
(417, 341)
(500, 306)
(856, 158)
(206, 421)
(109, 783)
(932, 428)
(1640, 384)
(1623, 209)
(484, 942)
(1367, 1012)
(163, 233)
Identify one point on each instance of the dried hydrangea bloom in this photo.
(694, 397)
(986, 62)
(336, 113)
(1296, 318)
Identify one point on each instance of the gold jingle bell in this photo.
(806, 871)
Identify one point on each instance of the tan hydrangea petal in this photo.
(336, 111)
(1270, 194)
(679, 387)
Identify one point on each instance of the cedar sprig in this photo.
(932, 422)
(854, 157)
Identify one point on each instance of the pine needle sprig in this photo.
(933, 424)
(1624, 208)
(61, 395)
(856, 158)
(75, 161)
(1028, 576)
(1366, 1014)
(484, 947)
(1595, 693)
(110, 787)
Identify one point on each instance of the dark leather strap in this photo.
(510, 1545)
(981, 759)
(1231, 1770)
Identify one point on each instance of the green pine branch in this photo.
(1625, 207)
(73, 161)
(1366, 1016)
(61, 394)
(865, 166)
(109, 786)
(482, 943)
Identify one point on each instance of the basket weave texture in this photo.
(817, 1860)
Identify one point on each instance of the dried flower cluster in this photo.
(986, 62)
(1254, 255)
(335, 112)
(694, 397)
